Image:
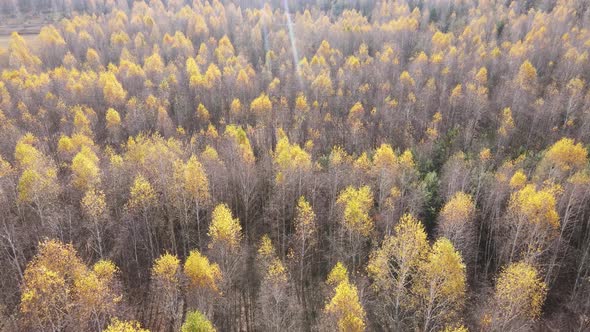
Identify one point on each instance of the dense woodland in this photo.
(371, 165)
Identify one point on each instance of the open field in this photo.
(5, 39)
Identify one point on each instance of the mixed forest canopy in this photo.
(368, 165)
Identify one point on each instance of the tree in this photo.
(276, 300)
(440, 287)
(85, 170)
(141, 199)
(197, 322)
(59, 292)
(530, 225)
(165, 293)
(344, 307)
(94, 207)
(394, 266)
(456, 223)
(124, 326)
(305, 236)
(225, 231)
(356, 222)
(192, 179)
(563, 158)
(518, 298)
(203, 281)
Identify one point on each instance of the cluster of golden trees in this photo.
(302, 165)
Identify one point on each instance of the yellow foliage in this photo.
(200, 272)
(459, 209)
(520, 291)
(94, 204)
(566, 155)
(442, 275)
(224, 229)
(527, 76)
(238, 135)
(166, 268)
(124, 326)
(202, 114)
(261, 105)
(346, 308)
(86, 173)
(405, 250)
(384, 159)
(113, 119)
(507, 122)
(305, 226)
(266, 249)
(538, 207)
(518, 180)
(289, 158)
(141, 193)
(339, 274)
(357, 205)
(192, 177)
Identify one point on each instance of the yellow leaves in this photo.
(25, 153)
(261, 105)
(85, 170)
(38, 180)
(166, 268)
(94, 204)
(266, 249)
(289, 158)
(456, 94)
(406, 79)
(520, 291)
(355, 116)
(345, 306)
(192, 177)
(124, 326)
(441, 40)
(276, 271)
(58, 286)
(459, 209)
(404, 251)
(339, 274)
(113, 119)
(565, 155)
(322, 84)
(506, 123)
(224, 229)
(518, 180)
(200, 272)
(305, 223)
(384, 158)
(537, 207)
(51, 37)
(154, 65)
(105, 270)
(357, 205)
(202, 114)
(527, 76)
(444, 270)
(142, 194)
(482, 76)
(196, 322)
(239, 137)
(113, 91)
(485, 154)
(212, 76)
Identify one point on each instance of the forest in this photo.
(296, 165)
